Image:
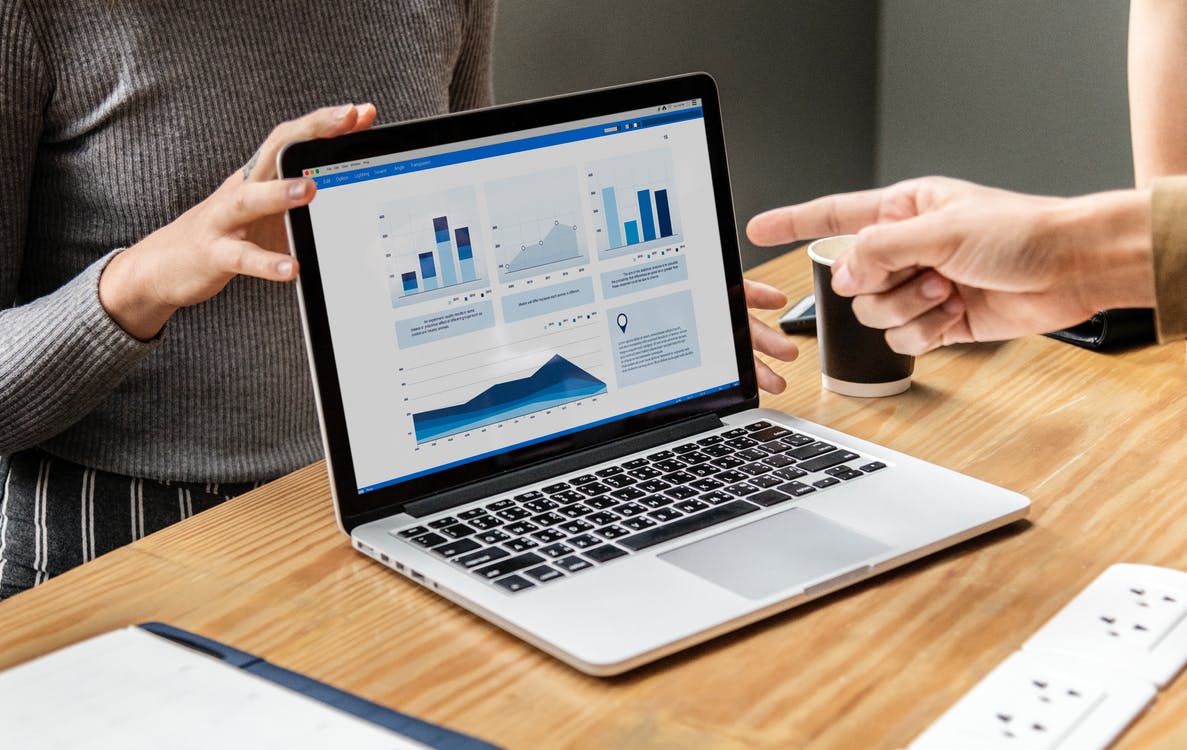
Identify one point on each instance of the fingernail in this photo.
(843, 282)
(284, 268)
(297, 190)
(343, 111)
(953, 305)
(934, 287)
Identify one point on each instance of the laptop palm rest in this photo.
(781, 552)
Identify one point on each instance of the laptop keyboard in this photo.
(548, 534)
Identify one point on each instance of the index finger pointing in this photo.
(844, 213)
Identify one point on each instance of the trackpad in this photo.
(783, 551)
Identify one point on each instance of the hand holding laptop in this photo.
(1021, 264)
(237, 230)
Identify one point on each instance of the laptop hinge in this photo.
(554, 467)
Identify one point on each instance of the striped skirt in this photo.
(55, 515)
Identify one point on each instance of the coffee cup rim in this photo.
(816, 257)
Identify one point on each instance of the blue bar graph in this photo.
(665, 216)
(645, 215)
(610, 204)
(409, 280)
(465, 253)
(632, 232)
(445, 252)
(428, 273)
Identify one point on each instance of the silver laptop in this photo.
(529, 339)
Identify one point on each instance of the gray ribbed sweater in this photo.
(116, 117)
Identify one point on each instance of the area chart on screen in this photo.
(537, 223)
(558, 381)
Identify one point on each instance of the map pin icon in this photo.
(622, 320)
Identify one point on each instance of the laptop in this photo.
(531, 352)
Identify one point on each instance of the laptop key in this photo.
(734, 433)
(690, 506)
(790, 474)
(513, 514)
(679, 477)
(603, 518)
(796, 488)
(684, 448)
(656, 501)
(605, 553)
(457, 531)
(612, 532)
(551, 518)
(826, 461)
(412, 531)
(754, 469)
(430, 540)
(688, 524)
(759, 425)
(703, 470)
(596, 488)
(447, 521)
(458, 547)
(628, 493)
(482, 523)
(694, 457)
(584, 541)
(619, 480)
(778, 461)
(541, 505)
(544, 573)
(573, 563)
(752, 454)
(711, 440)
(873, 466)
(717, 451)
(493, 537)
(610, 471)
(556, 550)
(765, 481)
(818, 448)
(826, 482)
(727, 462)
(481, 557)
(660, 456)
(569, 496)
(796, 440)
(654, 485)
(472, 513)
(509, 565)
(630, 509)
(555, 488)
(521, 527)
(522, 544)
(768, 434)
(769, 497)
(577, 526)
(600, 503)
(645, 472)
(584, 479)
(576, 510)
(515, 583)
(669, 465)
(549, 535)
(847, 475)
(663, 515)
(635, 463)
(741, 489)
(638, 523)
(704, 485)
(731, 476)
(502, 504)
(717, 497)
(741, 443)
(681, 493)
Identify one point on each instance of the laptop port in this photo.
(417, 575)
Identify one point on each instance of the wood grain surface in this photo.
(1096, 441)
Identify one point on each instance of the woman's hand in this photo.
(239, 229)
(767, 340)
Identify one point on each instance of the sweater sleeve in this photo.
(473, 84)
(62, 353)
(1168, 222)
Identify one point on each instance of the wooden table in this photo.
(1096, 441)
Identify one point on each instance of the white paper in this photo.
(131, 689)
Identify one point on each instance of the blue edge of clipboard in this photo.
(414, 729)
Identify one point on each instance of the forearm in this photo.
(1106, 238)
(1158, 88)
(59, 356)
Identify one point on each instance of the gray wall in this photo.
(1024, 94)
(797, 79)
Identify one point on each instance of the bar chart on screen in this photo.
(633, 204)
(536, 223)
(509, 382)
(431, 247)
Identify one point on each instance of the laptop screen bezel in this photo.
(355, 507)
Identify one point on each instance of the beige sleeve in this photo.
(1168, 224)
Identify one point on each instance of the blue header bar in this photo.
(510, 147)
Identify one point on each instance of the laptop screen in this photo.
(494, 293)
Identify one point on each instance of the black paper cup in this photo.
(855, 360)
